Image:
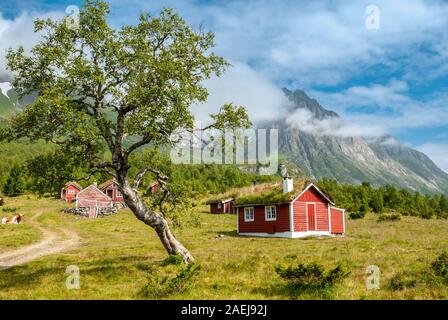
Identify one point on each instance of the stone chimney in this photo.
(288, 185)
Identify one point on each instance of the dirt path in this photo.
(53, 240)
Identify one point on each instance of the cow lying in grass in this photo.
(12, 220)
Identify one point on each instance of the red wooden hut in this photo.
(110, 188)
(93, 200)
(218, 206)
(69, 191)
(294, 211)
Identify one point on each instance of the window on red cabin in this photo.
(71, 192)
(270, 213)
(119, 193)
(248, 214)
(219, 205)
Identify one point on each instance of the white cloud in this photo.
(242, 85)
(5, 87)
(437, 152)
(392, 95)
(18, 32)
(304, 120)
(317, 42)
(391, 108)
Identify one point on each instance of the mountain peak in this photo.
(300, 100)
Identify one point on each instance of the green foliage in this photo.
(440, 266)
(169, 278)
(187, 183)
(151, 72)
(403, 280)
(17, 153)
(49, 172)
(269, 198)
(8, 209)
(357, 215)
(365, 198)
(434, 275)
(389, 217)
(377, 202)
(14, 185)
(312, 276)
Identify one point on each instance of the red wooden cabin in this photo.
(93, 199)
(110, 188)
(221, 206)
(305, 211)
(69, 191)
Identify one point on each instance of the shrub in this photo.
(440, 266)
(389, 217)
(7, 209)
(427, 215)
(312, 275)
(14, 185)
(357, 215)
(170, 277)
(402, 281)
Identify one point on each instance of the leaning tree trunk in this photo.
(154, 220)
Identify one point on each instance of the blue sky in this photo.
(392, 80)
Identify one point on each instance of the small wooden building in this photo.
(110, 188)
(69, 191)
(294, 211)
(218, 206)
(93, 201)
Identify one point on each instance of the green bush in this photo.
(389, 217)
(171, 277)
(440, 266)
(357, 215)
(8, 209)
(14, 185)
(312, 276)
(403, 280)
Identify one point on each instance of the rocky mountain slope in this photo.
(320, 154)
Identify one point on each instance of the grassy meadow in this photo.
(115, 253)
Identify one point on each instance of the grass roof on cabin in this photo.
(265, 193)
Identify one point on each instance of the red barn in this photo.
(221, 206)
(93, 200)
(110, 188)
(294, 211)
(69, 191)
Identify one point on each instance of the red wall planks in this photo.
(260, 225)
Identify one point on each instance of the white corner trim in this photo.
(291, 217)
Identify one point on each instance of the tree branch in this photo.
(139, 177)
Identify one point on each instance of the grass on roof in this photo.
(265, 193)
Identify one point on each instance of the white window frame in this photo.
(248, 210)
(219, 205)
(266, 216)
(71, 191)
(119, 194)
